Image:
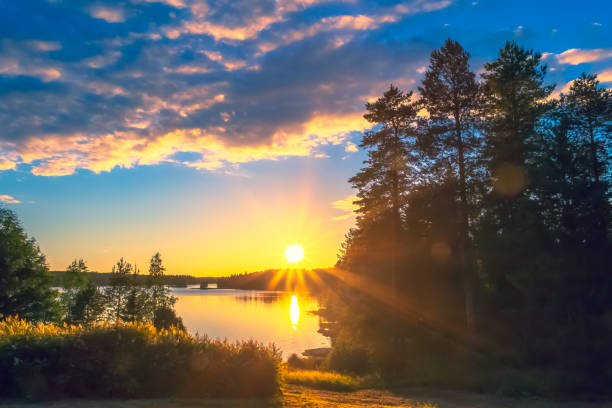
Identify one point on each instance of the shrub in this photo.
(46, 361)
(345, 357)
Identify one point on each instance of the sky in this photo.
(220, 132)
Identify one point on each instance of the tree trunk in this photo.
(594, 155)
(396, 215)
(464, 238)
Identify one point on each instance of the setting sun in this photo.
(294, 253)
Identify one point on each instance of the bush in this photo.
(347, 358)
(305, 363)
(130, 360)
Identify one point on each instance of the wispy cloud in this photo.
(110, 15)
(576, 56)
(7, 199)
(605, 76)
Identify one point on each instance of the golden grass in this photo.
(321, 379)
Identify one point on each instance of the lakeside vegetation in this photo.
(129, 360)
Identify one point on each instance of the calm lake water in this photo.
(281, 318)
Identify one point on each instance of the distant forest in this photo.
(274, 279)
(103, 279)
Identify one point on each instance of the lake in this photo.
(281, 318)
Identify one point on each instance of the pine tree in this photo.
(591, 109)
(160, 294)
(383, 184)
(120, 286)
(452, 97)
(513, 240)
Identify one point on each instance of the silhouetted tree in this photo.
(160, 294)
(383, 183)
(591, 113)
(25, 280)
(452, 97)
(512, 235)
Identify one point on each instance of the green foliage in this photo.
(166, 318)
(25, 281)
(129, 360)
(346, 357)
(81, 300)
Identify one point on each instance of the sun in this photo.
(294, 253)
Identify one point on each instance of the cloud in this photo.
(605, 76)
(350, 147)
(359, 22)
(110, 15)
(345, 205)
(60, 156)
(7, 199)
(575, 56)
(131, 97)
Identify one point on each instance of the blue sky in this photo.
(218, 132)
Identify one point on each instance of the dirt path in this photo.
(297, 396)
(302, 397)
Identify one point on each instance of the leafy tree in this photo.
(165, 317)
(82, 302)
(25, 280)
(452, 97)
(383, 184)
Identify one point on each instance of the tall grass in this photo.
(321, 379)
(129, 360)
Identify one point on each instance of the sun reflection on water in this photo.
(294, 312)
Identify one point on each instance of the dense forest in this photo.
(482, 243)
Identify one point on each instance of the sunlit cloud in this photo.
(221, 32)
(350, 147)
(345, 205)
(359, 22)
(575, 56)
(7, 199)
(46, 45)
(6, 164)
(605, 76)
(11, 66)
(60, 156)
(103, 60)
(110, 15)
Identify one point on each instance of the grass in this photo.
(322, 380)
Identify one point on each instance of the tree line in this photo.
(26, 287)
(484, 208)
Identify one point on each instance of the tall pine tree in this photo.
(452, 97)
(383, 184)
